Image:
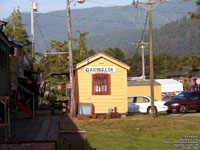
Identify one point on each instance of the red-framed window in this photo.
(101, 84)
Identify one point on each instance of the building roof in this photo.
(142, 82)
(18, 44)
(167, 81)
(135, 78)
(28, 63)
(101, 55)
(197, 74)
(170, 85)
(183, 72)
(4, 38)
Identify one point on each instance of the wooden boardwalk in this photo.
(31, 134)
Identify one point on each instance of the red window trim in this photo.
(101, 93)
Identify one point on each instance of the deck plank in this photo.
(23, 130)
(42, 134)
(53, 130)
(15, 126)
(29, 146)
(33, 134)
(34, 130)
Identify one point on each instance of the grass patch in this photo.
(138, 132)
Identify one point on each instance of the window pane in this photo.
(194, 96)
(100, 83)
(140, 99)
(130, 99)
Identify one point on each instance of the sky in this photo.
(7, 6)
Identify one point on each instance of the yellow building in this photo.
(102, 80)
(142, 88)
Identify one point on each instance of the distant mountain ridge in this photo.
(100, 21)
(178, 38)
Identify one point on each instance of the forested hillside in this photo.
(178, 37)
(105, 20)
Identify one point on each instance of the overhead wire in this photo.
(147, 16)
(96, 20)
(101, 3)
(77, 18)
(102, 27)
(36, 18)
(176, 12)
(111, 21)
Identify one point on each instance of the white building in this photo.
(170, 87)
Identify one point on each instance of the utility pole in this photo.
(151, 47)
(142, 45)
(73, 104)
(33, 9)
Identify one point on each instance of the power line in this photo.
(36, 18)
(101, 3)
(141, 35)
(97, 20)
(180, 3)
(176, 12)
(103, 27)
(147, 16)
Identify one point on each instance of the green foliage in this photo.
(105, 20)
(81, 51)
(115, 52)
(177, 38)
(16, 31)
(59, 63)
(164, 65)
(136, 65)
(197, 14)
(55, 63)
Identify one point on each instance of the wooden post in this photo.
(151, 59)
(71, 70)
(151, 48)
(142, 45)
(9, 125)
(32, 30)
(5, 119)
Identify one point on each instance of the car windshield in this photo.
(182, 95)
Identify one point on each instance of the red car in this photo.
(187, 100)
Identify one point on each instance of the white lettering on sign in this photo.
(100, 69)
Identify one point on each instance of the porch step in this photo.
(23, 108)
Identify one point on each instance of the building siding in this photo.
(118, 81)
(145, 91)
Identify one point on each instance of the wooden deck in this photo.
(31, 134)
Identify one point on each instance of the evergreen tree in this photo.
(81, 51)
(55, 63)
(115, 52)
(136, 65)
(16, 31)
(196, 15)
(59, 63)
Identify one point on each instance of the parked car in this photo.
(142, 104)
(187, 100)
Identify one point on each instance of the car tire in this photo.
(149, 110)
(184, 109)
